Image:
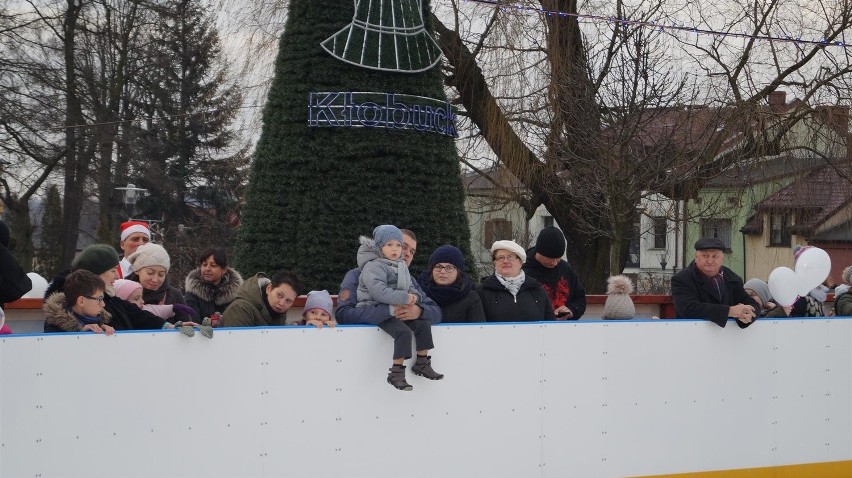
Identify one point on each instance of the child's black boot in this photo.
(423, 367)
(396, 377)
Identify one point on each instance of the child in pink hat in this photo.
(131, 291)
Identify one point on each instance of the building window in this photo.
(717, 228)
(633, 249)
(496, 230)
(779, 230)
(660, 229)
(548, 221)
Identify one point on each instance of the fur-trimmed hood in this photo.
(367, 251)
(221, 294)
(58, 316)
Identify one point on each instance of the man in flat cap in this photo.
(707, 290)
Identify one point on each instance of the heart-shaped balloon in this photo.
(812, 268)
(783, 286)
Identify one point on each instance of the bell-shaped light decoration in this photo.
(386, 35)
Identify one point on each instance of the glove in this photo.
(206, 331)
(185, 329)
(183, 309)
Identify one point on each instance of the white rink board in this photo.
(566, 399)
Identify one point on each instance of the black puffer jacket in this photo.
(14, 282)
(531, 305)
(206, 298)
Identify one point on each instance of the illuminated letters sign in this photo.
(381, 110)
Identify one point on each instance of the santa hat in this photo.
(129, 227)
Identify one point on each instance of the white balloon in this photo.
(782, 286)
(39, 286)
(812, 267)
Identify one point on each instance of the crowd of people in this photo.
(706, 289)
(103, 292)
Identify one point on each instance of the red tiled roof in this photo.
(814, 198)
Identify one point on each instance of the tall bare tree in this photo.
(592, 116)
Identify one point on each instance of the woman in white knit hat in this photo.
(508, 295)
(151, 264)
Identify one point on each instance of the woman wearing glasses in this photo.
(509, 295)
(445, 282)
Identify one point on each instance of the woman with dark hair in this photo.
(211, 287)
(263, 301)
(445, 282)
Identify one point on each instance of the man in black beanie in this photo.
(14, 282)
(545, 264)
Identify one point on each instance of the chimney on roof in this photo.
(777, 100)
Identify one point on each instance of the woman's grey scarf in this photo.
(513, 284)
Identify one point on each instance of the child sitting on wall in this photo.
(385, 279)
(80, 307)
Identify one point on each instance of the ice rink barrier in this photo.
(567, 399)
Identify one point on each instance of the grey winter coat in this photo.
(382, 281)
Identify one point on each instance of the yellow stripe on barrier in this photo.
(834, 469)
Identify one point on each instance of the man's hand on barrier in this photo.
(407, 312)
(742, 312)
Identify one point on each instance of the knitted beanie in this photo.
(385, 233)
(447, 254)
(618, 304)
(148, 255)
(97, 259)
(798, 249)
(125, 288)
(5, 235)
(129, 227)
(550, 242)
(846, 275)
(510, 246)
(760, 288)
(318, 299)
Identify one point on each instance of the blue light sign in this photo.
(381, 110)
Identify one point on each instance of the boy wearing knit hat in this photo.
(318, 310)
(544, 263)
(385, 279)
(133, 235)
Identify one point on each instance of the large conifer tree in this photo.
(313, 191)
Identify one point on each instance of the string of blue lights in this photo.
(661, 26)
